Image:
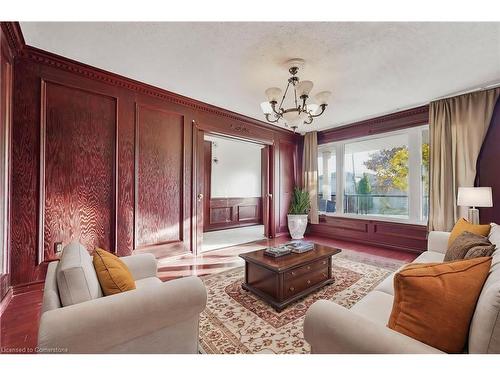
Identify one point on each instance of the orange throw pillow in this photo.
(434, 303)
(463, 225)
(114, 276)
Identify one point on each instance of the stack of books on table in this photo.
(300, 246)
(277, 251)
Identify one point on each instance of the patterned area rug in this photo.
(236, 321)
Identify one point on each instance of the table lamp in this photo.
(473, 197)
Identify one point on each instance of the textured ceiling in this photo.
(371, 68)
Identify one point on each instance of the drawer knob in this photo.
(324, 274)
(308, 268)
(308, 282)
(292, 289)
(324, 262)
(293, 273)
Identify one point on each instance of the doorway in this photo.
(234, 191)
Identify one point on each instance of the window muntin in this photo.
(384, 176)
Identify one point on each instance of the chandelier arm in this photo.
(273, 106)
(269, 120)
(310, 120)
(295, 94)
(284, 95)
(323, 107)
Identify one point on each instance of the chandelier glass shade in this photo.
(303, 112)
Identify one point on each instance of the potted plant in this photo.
(297, 213)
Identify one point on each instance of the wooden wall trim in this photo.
(394, 121)
(63, 63)
(392, 235)
(224, 213)
(14, 36)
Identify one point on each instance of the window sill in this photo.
(373, 218)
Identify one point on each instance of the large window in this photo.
(384, 176)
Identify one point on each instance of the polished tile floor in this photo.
(219, 239)
(19, 323)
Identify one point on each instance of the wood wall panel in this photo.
(31, 67)
(78, 142)
(487, 168)
(225, 213)
(159, 168)
(379, 233)
(288, 179)
(6, 77)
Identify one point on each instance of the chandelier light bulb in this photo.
(273, 94)
(304, 88)
(266, 108)
(322, 97)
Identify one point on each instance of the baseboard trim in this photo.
(28, 287)
(6, 300)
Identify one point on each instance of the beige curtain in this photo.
(458, 126)
(310, 168)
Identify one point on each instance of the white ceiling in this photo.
(371, 68)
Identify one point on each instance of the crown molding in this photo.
(50, 59)
(381, 124)
(14, 36)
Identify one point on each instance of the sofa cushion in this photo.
(469, 245)
(114, 276)
(375, 306)
(494, 236)
(463, 225)
(429, 257)
(147, 282)
(434, 303)
(76, 278)
(484, 334)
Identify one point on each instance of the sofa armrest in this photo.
(141, 265)
(333, 329)
(438, 241)
(96, 326)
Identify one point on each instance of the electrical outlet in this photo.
(58, 248)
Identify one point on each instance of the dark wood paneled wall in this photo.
(288, 161)
(136, 168)
(225, 213)
(487, 167)
(380, 233)
(78, 151)
(6, 79)
(160, 169)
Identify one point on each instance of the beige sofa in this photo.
(330, 328)
(156, 317)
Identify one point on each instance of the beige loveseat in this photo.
(330, 328)
(156, 317)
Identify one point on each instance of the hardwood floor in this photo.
(19, 323)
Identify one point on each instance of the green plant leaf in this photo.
(300, 203)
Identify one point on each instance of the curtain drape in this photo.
(457, 127)
(310, 168)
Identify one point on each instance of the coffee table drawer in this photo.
(307, 269)
(300, 283)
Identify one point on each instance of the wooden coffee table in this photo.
(281, 281)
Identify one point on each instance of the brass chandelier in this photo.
(302, 112)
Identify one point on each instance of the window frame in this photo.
(415, 186)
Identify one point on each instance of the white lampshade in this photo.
(273, 94)
(266, 108)
(312, 108)
(475, 197)
(304, 88)
(322, 97)
(293, 118)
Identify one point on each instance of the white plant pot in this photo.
(297, 225)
